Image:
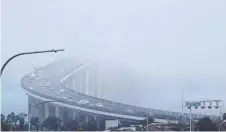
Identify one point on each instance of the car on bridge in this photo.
(83, 102)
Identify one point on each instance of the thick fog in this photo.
(160, 47)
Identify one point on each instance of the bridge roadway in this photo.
(51, 73)
(54, 72)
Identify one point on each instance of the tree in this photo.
(12, 118)
(2, 118)
(101, 125)
(9, 117)
(51, 123)
(205, 124)
(91, 125)
(4, 125)
(224, 116)
(35, 122)
(22, 118)
(88, 126)
(16, 119)
(70, 125)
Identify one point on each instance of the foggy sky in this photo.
(168, 44)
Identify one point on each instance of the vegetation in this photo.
(35, 123)
(224, 116)
(51, 123)
(70, 125)
(205, 124)
(13, 122)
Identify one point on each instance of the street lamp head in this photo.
(58, 50)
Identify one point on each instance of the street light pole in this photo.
(26, 53)
(28, 116)
(147, 122)
(221, 107)
(182, 101)
(190, 120)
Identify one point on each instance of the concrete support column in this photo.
(30, 102)
(46, 110)
(41, 109)
(97, 84)
(86, 118)
(65, 114)
(57, 111)
(87, 82)
(98, 88)
(81, 82)
(93, 84)
(98, 125)
(74, 85)
(114, 95)
(74, 115)
(105, 90)
(98, 122)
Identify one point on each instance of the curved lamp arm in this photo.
(25, 53)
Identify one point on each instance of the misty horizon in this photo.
(160, 47)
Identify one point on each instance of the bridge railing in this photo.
(137, 111)
(121, 108)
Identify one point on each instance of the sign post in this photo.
(202, 104)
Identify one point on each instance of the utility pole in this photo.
(147, 123)
(182, 101)
(190, 120)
